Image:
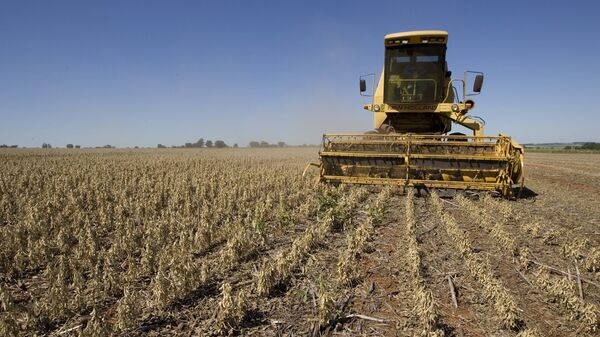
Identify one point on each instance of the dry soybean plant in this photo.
(231, 309)
(125, 234)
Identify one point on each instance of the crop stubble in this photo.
(214, 242)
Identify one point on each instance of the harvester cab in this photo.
(416, 82)
(415, 103)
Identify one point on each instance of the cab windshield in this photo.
(414, 74)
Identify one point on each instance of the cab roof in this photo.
(417, 37)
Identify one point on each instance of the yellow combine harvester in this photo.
(415, 104)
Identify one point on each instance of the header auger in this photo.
(415, 104)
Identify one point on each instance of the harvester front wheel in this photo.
(382, 130)
(459, 134)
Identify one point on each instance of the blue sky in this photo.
(132, 73)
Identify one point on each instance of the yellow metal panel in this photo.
(412, 182)
(402, 155)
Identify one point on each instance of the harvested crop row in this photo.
(578, 248)
(562, 289)
(480, 269)
(277, 270)
(333, 294)
(486, 222)
(425, 311)
(356, 239)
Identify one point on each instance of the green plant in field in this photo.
(327, 201)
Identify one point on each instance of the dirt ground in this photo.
(541, 251)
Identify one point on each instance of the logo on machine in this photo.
(419, 107)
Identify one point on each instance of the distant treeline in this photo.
(200, 143)
(584, 146)
(262, 143)
(565, 148)
(221, 144)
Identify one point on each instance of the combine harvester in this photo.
(415, 104)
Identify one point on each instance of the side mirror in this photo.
(478, 83)
(362, 83)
